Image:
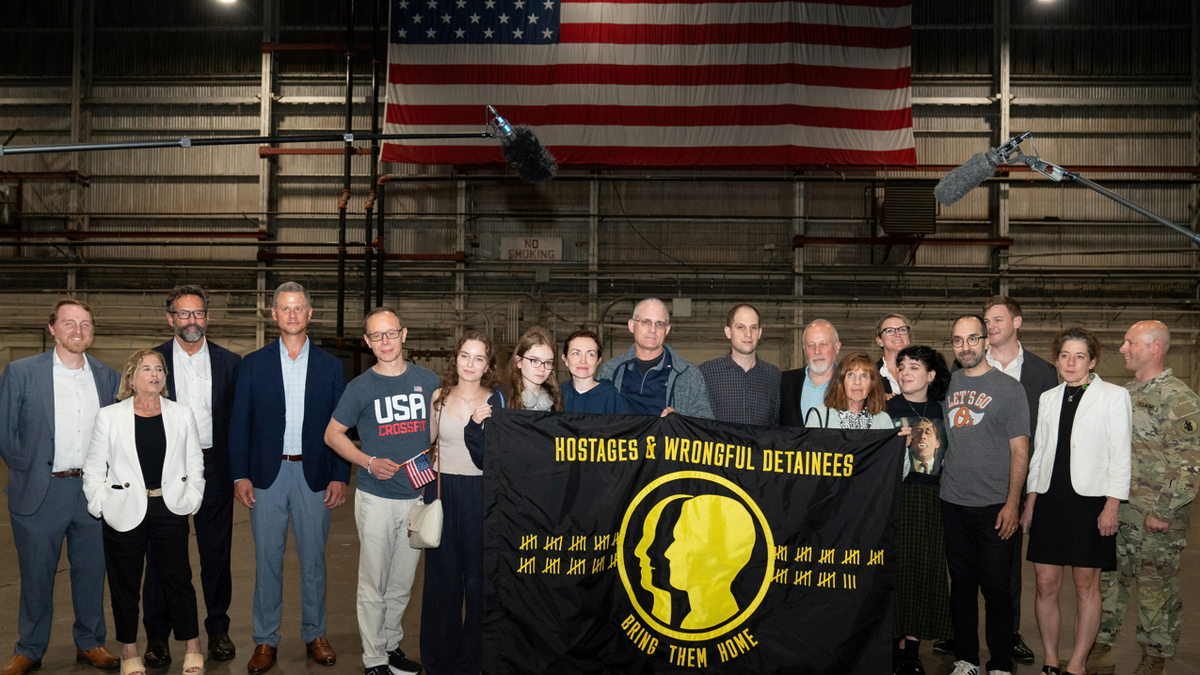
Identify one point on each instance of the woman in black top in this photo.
(143, 474)
(922, 594)
(1078, 475)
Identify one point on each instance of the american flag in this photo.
(418, 469)
(656, 82)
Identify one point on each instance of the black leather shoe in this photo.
(400, 663)
(220, 647)
(158, 654)
(944, 646)
(1020, 650)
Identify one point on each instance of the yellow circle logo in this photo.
(701, 584)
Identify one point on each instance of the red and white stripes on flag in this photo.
(653, 82)
(418, 470)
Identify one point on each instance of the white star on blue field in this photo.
(521, 22)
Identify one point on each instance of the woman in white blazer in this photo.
(1078, 475)
(855, 398)
(143, 474)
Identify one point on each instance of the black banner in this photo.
(632, 544)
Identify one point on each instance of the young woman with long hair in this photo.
(450, 641)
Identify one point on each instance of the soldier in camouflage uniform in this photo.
(1153, 523)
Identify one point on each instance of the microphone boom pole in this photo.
(957, 183)
(186, 142)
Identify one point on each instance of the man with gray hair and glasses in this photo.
(651, 376)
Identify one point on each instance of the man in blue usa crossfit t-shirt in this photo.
(389, 404)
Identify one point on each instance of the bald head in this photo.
(650, 302)
(1145, 348)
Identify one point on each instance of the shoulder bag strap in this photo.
(439, 451)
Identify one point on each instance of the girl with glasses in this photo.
(530, 376)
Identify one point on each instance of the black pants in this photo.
(979, 560)
(1017, 562)
(214, 535)
(166, 535)
(451, 643)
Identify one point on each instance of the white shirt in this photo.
(1014, 367)
(883, 372)
(193, 387)
(76, 403)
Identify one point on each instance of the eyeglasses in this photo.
(538, 363)
(389, 334)
(187, 314)
(971, 340)
(894, 331)
(647, 323)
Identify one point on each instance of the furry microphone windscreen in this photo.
(532, 162)
(956, 184)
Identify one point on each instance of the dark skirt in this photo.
(1065, 531)
(922, 583)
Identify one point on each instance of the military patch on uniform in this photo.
(1189, 426)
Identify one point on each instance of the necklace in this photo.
(470, 402)
(1078, 390)
(924, 407)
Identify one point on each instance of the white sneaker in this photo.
(999, 672)
(964, 668)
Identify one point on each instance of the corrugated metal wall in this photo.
(1103, 84)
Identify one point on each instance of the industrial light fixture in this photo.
(226, 2)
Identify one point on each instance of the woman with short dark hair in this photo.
(1078, 475)
(922, 592)
(582, 354)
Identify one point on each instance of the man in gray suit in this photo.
(47, 405)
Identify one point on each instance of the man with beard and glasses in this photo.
(803, 389)
(47, 405)
(742, 387)
(1002, 318)
(983, 474)
(202, 375)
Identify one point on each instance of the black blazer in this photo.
(791, 388)
(1037, 376)
(224, 364)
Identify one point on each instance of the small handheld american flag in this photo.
(418, 469)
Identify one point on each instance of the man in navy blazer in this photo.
(47, 405)
(286, 394)
(202, 375)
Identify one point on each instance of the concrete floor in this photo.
(342, 559)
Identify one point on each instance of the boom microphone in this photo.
(956, 184)
(522, 149)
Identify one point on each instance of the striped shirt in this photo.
(295, 373)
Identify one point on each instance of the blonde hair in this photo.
(131, 365)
